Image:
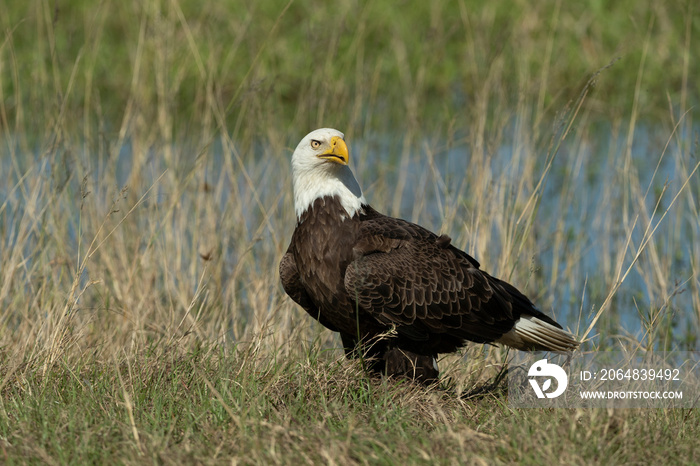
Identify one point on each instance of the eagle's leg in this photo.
(381, 358)
(350, 346)
(372, 352)
(403, 363)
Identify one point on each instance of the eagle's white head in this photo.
(320, 168)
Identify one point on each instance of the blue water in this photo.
(594, 171)
(599, 192)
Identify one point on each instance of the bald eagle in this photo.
(397, 293)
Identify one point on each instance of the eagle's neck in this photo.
(328, 180)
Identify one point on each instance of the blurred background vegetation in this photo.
(455, 112)
(146, 199)
(355, 64)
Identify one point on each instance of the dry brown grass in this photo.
(141, 318)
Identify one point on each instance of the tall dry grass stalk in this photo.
(165, 230)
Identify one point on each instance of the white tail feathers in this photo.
(532, 334)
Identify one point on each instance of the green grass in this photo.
(361, 65)
(146, 199)
(207, 406)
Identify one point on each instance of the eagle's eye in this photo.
(315, 144)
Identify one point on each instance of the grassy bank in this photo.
(145, 201)
(212, 407)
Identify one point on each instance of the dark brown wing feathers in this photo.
(425, 286)
(375, 272)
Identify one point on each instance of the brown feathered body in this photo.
(366, 275)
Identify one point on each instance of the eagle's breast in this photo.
(323, 244)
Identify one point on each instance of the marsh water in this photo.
(588, 201)
(587, 214)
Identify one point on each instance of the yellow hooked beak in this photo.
(337, 152)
